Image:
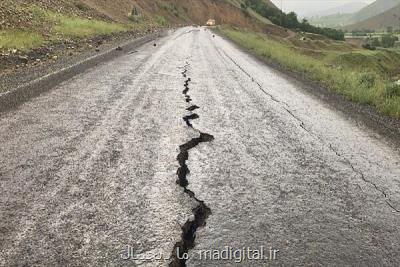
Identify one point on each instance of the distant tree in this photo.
(388, 40)
(389, 29)
(369, 46)
(304, 21)
(375, 42)
(290, 20)
(135, 12)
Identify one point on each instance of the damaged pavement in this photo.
(189, 147)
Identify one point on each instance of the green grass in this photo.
(59, 26)
(22, 40)
(76, 27)
(361, 76)
(82, 28)
(160, 20)
(170, 8)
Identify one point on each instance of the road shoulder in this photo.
(384, 125)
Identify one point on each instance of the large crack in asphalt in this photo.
(190, 117)
(191, 108)
(201, 211)
(303, 126)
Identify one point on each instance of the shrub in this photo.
(392, 90)
(367, 79)
(375, 42)
(160, 20)
(388, 40)
(135, 12)
(135, 18)
(170, 8)
(369, 46)
(81, 6)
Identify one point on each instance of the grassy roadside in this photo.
(23, 40)
(361, 76)
(76, 27)
(49, 26)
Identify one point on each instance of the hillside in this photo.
(27, 24)
(336, 17)
(175, 11)
(17, 14)
(374, 9)
(380, 22)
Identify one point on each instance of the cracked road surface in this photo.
(193, 144)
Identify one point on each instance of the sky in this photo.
(304, 7)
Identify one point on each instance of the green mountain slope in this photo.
(389, 18)
(376, 15)
(374, 9)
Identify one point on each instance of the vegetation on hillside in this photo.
(362, 76)
(28, 24)
(375, 8)
(381, 22)
(372, 41)
(18, 39)
(290, 20)
(75, 27)
(47, 26)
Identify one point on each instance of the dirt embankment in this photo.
(185, 12)
(178, 11)
(15, 14)
(174, 11)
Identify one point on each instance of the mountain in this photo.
(348, 8)
(336, 17)
(372, 16)
(374, 9)
(331, 21)
(389, 18)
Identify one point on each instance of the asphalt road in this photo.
(112, 159)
